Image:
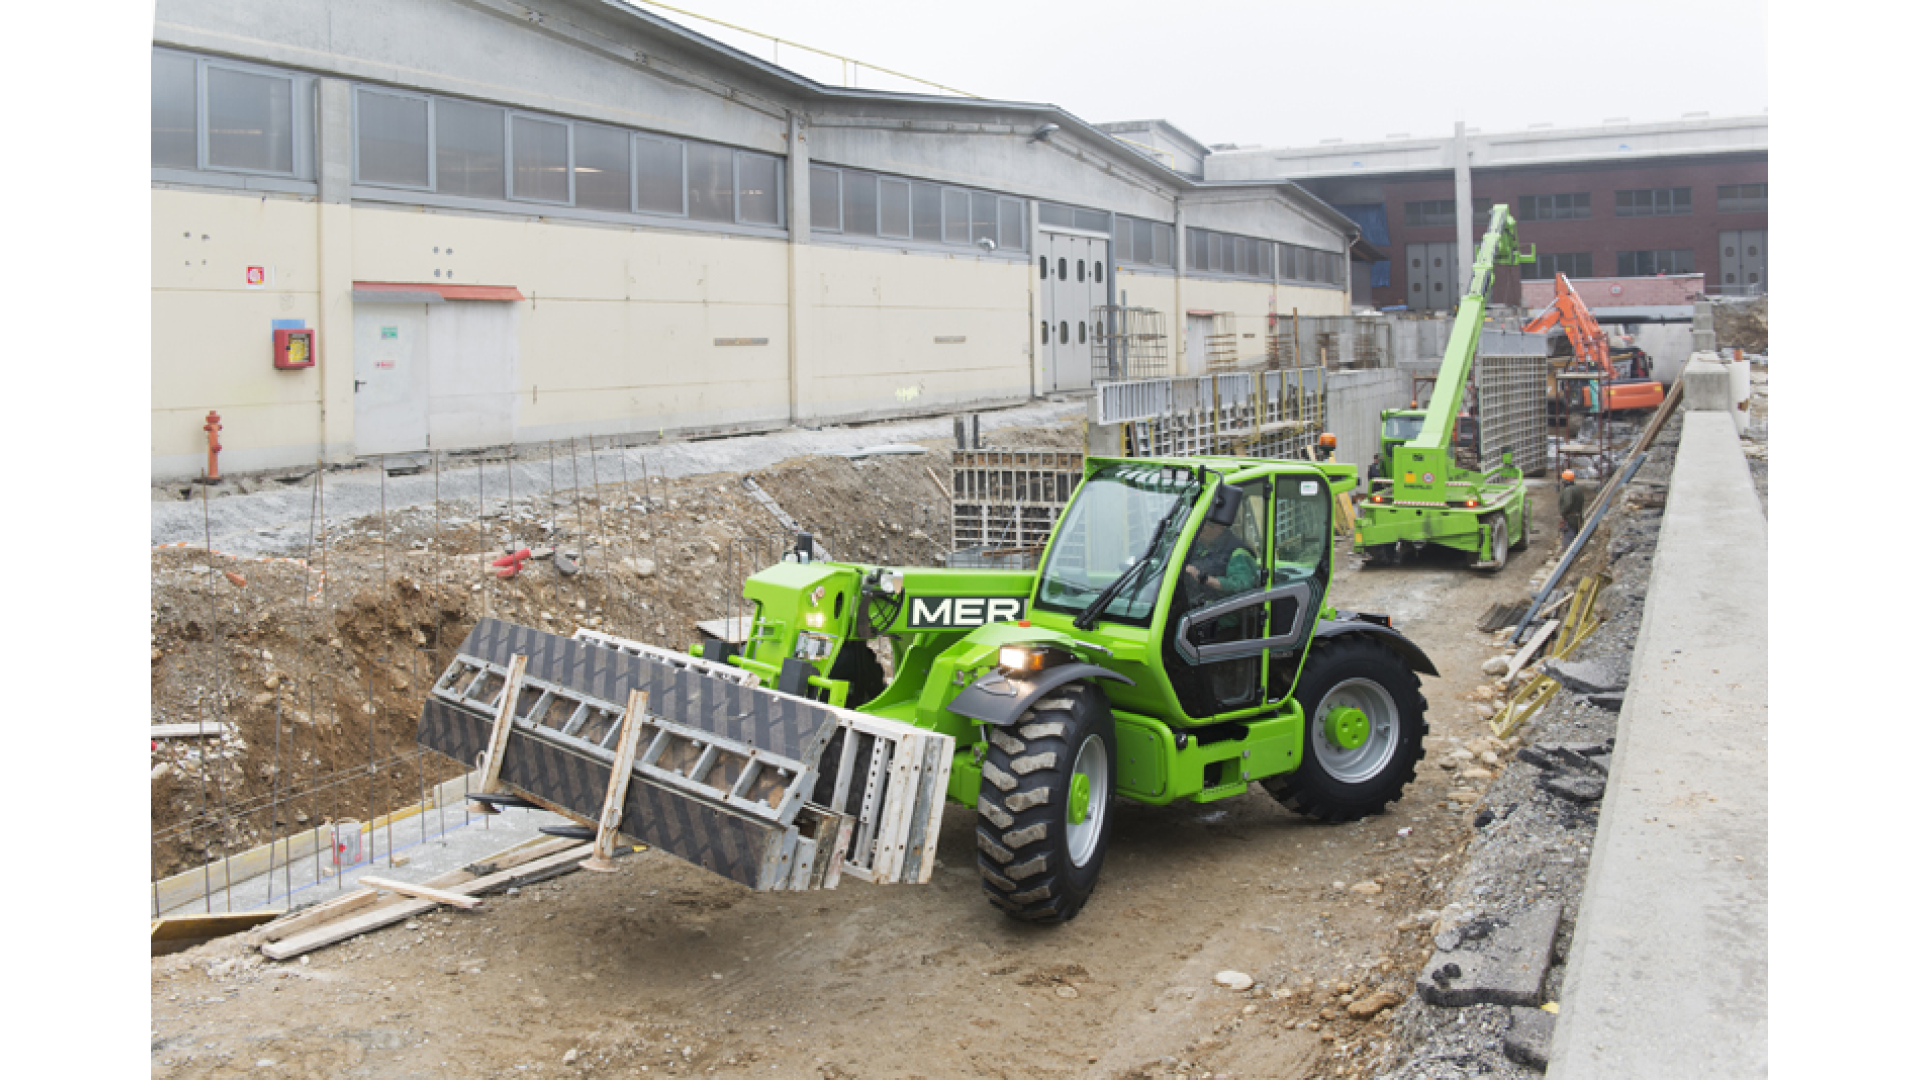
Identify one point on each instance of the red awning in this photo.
(446, 291)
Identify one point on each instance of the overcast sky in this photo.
(1293, 74)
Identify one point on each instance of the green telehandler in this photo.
(1426, 497)
(1177, 642)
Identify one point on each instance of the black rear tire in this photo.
(1025, 856)
(1335, 785)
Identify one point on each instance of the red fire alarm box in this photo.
(292, 349)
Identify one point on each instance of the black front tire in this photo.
(1329, 785)
(1526, 526)
(1025, 858)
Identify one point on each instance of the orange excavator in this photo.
(1594, 357)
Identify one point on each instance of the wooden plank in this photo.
(614, 807)
(421, 892)
(390, 914)
(176, 932)
(188, 731)
(324, 912)
(502, 725)
(1521, 658)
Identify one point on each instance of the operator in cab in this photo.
(1220, 565)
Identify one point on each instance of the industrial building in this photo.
(1614, 202)
(407, 225)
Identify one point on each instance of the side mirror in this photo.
(1226, 505)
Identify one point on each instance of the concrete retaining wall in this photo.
(1667, 976)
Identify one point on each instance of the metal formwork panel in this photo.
(731, 777)
(1010, 498)
(1510, 401)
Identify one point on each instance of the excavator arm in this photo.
(1570, 313)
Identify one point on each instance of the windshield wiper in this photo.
(1086, 619)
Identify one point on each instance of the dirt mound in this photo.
(1741, 325)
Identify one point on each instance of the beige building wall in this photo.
(893, 331)
(212, 336)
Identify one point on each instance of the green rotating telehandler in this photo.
(1177, 642)
(1428, 498)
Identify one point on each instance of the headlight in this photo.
(1020, 659)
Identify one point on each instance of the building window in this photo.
(862, 203)
(541, 160)
(1577, 206)
(249, 121)
(709, 182)
(757, 180)
(1432, 212)
(926, 212)
(1649, 263)
(954, 214)
(1013, 224)
(895, 215)
(1573, 264)
(1655, 202)
(176, 132)
(823, 194)
(1734, 198)
(222, 116)
(661, 169)
(469, 149)
(602, 168)
(1142, 243)
(395, 139)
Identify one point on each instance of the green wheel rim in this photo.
(1079, 794)
(1347, 727)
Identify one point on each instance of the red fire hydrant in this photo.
(212, 428)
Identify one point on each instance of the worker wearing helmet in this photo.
(1573, 507)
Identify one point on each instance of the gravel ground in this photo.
(1533, 845)
(271, 514)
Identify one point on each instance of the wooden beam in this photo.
(324, 912)
(176, 932)
(422, 892)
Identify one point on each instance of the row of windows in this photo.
(1221, 253)
(1578, 206)
(452, 147)
(1649, 263)
(1138, 242)
(1626, 263)
(868, 204)
(1075, 217)
(1545, 266)
(1653, 202)
(1440, 212)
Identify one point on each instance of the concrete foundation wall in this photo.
(1354, 402)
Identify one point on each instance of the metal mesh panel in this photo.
(1010, 498)
(1271, 414)
(1128, 343)
(1511, 404)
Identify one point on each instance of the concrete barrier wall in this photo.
(1667, 976)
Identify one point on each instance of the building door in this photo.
(434, 376)
(1743, 262)
(1072, 269)
(1431, 285)
(390, 378)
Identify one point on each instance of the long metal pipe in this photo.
(1573, 550)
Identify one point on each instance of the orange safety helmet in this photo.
(1568, 475)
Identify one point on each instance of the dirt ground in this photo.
(663, 969)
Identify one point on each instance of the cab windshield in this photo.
(1107, 529)
(1402, 427)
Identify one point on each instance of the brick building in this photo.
(1617, 201)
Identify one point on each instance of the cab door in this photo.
(1212, 648)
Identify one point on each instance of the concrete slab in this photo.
(1509, 967)
(1586, 676)
(1529, 1038)
(430, 844)
(1667, 976)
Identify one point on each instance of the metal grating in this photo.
(1270, 414)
